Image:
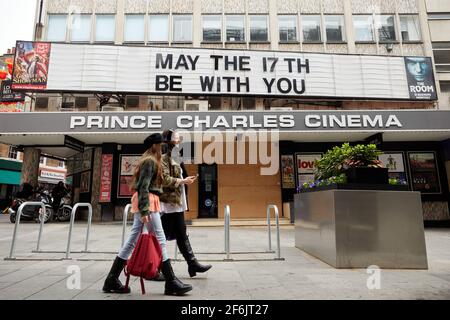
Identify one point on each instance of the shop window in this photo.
(386, 28)
(235, 28)
(287, 28)
(441, 52)
(13, 153)
(363, 26)
(158, 28)
(311, 28)
(248, 103)
(105, 27)
(410, 28)
(334, 26)
(81, 102)
(182, 28)
(56, 29)
(212, 28)
(132, 102)
(80, 29)
(134, 28)
(214, 103)
(41, 103)
(258, 28)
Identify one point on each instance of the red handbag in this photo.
(145, 259)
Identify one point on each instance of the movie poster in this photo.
(127, 166)
(31, 65)
(288, 173)
(424, 172)
(395, 164)
(419, 73)
(106, 178)
(85, 182)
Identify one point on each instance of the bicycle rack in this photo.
(277, 220)
(72, 219)
(226, 216)
(16, 226)
(124, 223)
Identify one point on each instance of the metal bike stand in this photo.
(72, 219)
(124, 223)
(227, 232)
(16, 226)
(277, 220)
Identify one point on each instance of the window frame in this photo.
(220, 16)
(244, 33)
(95, 27)
(173, 28)
(373, 40)
(378, 26)
(72, 16)
(250, 16)
(420, 40)
(125, 28)
(295, 16)
(344, 35)
(65, 30)
(319, 16)
(149, 17)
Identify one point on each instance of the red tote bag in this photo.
(145, 259)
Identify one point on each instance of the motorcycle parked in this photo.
(30, 213)
(64, 209)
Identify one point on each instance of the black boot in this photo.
(112, 282)
(158, 277)
(193, 265)
(173, 285)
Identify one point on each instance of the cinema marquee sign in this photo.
(67, 123)
(194, 71)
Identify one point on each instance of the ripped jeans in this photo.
(154, 226)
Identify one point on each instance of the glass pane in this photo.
(410, 28)
(81, 27)
(182, 28)
(287, 26)
(442, 56)
(363, 26)
(159, 28)
(334, 28)
(311, 28)
(212, 28)
(56, 27)
(235, 28)
(258, 28)
(105, 27)
(386, 28)
(441, 45)
(442, 68)
(134, 28)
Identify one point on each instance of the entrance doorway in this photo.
(207, 192)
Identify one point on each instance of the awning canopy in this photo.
(9, 177)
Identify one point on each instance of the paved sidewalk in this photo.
(299, 276)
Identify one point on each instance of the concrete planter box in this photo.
(360, 228)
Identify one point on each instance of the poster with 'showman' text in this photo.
(419, 73)
(31, 63)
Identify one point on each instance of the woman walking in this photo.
(174, 203)
(146, 183)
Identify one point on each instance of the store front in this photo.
(262, 155)
(9, 181)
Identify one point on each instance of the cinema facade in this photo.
(304, 104)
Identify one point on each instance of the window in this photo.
(158, 28)
(81, 102)
(105, 27)
(363, 25)
(57, 24)
(81, 27)
(445, 86)
(61, 164)
(258, 28)
(132, 102)
(287, 27)
(182, 28)
(13, 153)
(134, 28)
(334, 26)
(410, 28)
(386, 28)
(235, 28)
(212, 28)
(439, 16)
(441, 52)
(41, 103)
(311, 28)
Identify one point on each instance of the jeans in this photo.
(154, 226)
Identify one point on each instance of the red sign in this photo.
(106, 178)
(31, 65)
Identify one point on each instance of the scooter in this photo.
(30, 213)
(64, 209)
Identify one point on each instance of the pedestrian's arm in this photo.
(168, 180)
(145, 177)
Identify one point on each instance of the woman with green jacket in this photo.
(174, 203)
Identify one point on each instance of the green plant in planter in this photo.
(338, 159)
